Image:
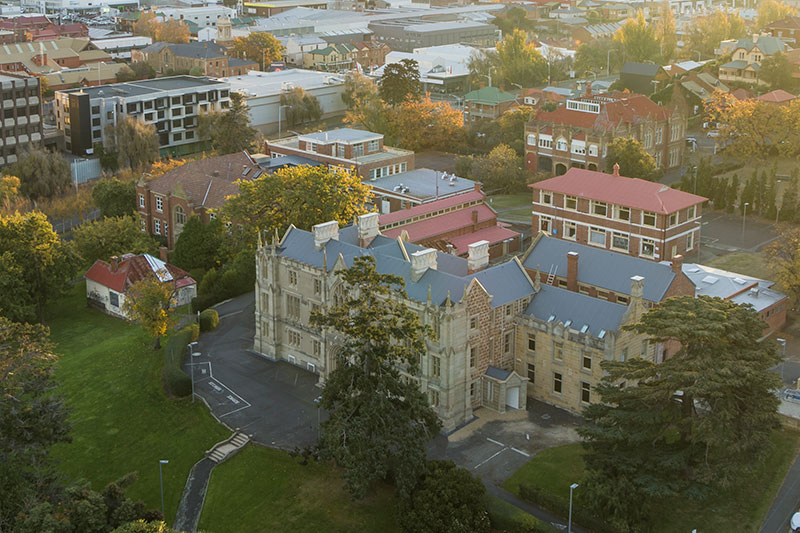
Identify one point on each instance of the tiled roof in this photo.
(437, 225)
(600, 268)
(133, 268)
(623, 108)
(619, 190)
(561, 305)
(430, 207)
(792, 23)
(777, 96)
(207, 182)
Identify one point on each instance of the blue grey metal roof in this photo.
(496, 373)
(289, 161)
(552, 304)
(506, 282)
(601, 268)
(424, 183)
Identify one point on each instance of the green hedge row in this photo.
(177, 382)
(506, 517)
(209, 319)
(560, 506)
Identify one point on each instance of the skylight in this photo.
(710, 280)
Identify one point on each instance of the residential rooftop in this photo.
(424, 184)
(738, 288)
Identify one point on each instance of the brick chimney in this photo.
(478, 256)
(367, 228)
(421, 261)
(572, 271)
(162, 252)
(325, 232)
(616, 169)
(114, 263)
(474, 220)
(677, 264)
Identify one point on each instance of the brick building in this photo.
(165, 203)
(787, 30)
(487, 103)
(346, 148)
(578, 133)
(626, 215)
(211, 58)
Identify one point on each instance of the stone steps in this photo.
(229, 447)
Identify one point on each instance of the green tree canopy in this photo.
(693, 423)
(102, 239)
(637, 39)
(259, 46)
(135, 143)
(303, 106)
(201, 245)
(150, 302)
(595, 57)
(770, 11)
(666, 33)
(500, 170)
(42, 174)
(515, 18)
(400, 82)
(229, 131)
(115, 198)
(518, 62)
(379, 422)
(777, 71)
(705, 33)
(633, 159)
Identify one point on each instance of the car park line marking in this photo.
(495, 442)
(217, 385)
(231, 314)
(489, 459)
(521, 452)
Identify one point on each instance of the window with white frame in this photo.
(673, 219)
(156, 226)
(593, 150)
(545, 142)
(658, 159)
(547, 197)
(578, 148)
(180, 215)
(373, 146)
(659, 135)
(597, 236)
(434, 394)
(648, 248)
(545, 224)
(600, 208)
(649, 218)
(561, 144)
(358, 150)
(674, 154)
(623, 213)
(141, 200)
(605, 150)
(159, 204)
(620, 241)
(570, 230)
(648, 139)
(571, 202)
(690, 241)
(691, 212)
(340, 150)
(531, 140)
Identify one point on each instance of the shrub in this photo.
(506, 517)
(175, 379)
(560, 506)
(194, 328)
(209, 319)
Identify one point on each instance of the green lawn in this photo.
(747, 263)
(122, 420)
(261, 489)
(739, 508)
(515, 207)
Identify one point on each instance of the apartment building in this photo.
(625, 215)
(406, 35)
(22, 110)
(173, 105)
(577, 134)
(346, 148)
(498, 336)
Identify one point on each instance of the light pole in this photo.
(608, 63)
(317, 401)
(778, 207)
(569, 521)
(161, 482)
(744, 219)
(698, 57)
(782, 342)
(280, 108)
(192, 355)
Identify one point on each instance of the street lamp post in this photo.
(608, 63)
(161, 482)
(281, 108)
(569, 521)
(744, 219)
(778, 207)
(694, 169)
(317, 401)
(782, 342)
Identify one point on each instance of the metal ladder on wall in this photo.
(551, 274)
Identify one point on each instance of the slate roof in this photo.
(133, 268)
(198, 50)
(601, 268)
(497, 373)
(631, 192)
(561, 305)
(766, 43)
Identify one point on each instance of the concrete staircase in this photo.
(227, 448)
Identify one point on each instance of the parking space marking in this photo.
(220, 388)
(489, 459)
(520, 452)
(495, 442)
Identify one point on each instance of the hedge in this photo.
(209, 319)
(177, 382)
(505, 517)
(560, 506)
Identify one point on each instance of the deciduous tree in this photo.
(229, 131)
(633, 159)
(777, 71)
(102, 239)
(9, 189)
(32, 417)
(500, 170)
(303, 106)
(42, 174)
(518, 62)
(173, 31)
(706, 32)
(135, 142)
(666, 34)
(676, 427)
(259, 46)
(201, 245)
(515, 18)
(356, 88)
(150, 302)
(784, 258)
(638, 39)
(400, 82)
(378, 422)
(770, 11)
(146, 25)
(422, 124)
(115, 198)
(595, 57)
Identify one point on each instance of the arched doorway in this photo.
(561, 168)
(592, 166)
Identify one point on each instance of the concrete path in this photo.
(786, 503)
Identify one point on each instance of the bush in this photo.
(175, 379)
(195, 330)
(560, 506)
(506, 517)
(209, 319)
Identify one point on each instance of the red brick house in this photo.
(787, 30)
(165, 203)
(578, 133)
(625, 215)
(371, 54)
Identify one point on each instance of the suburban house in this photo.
(627, 215)
(777, 97)
(211, 59)
(537, 98)
(487, 103)
(332, 58)
(577, 134)
(770, 304)
(345, 148)
(370, 54)
(787, 30)
(747, 54)
(642, 78)
(498, 336)
(165, 203)
(107, 283)
(452, 225)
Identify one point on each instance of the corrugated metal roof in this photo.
(552, 304)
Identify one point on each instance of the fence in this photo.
(66, 225)
(84, 170)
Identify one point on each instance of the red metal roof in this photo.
(431, 227)
(133, 268)
(494, 235)
(630, 192)
(777, 97)
(430, 207)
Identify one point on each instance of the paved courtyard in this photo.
(723, 233)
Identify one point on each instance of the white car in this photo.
(713, 133)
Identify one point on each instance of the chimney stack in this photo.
(114, 263)
(478, 256)
(162, 252)
(637, 288)
(474, 220)
(367, 228)
(572, 271)
(677, 263)
(616, 169)
(325, 232)
(421, 261)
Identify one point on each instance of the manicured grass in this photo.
(261, 489)
(122, 419)
(738, 508)
(511, 201)
(747, 263)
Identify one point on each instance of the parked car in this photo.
(713, 133)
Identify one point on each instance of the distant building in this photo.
(210, 58)
(626, 215)
(412, 188)
(747, 54)
(22, 123)
(269, 9)
(594, 32)
(121, 47)
(332, 58)
(779, 97)
(370, 54)
(577, 134)
(787, 30)
(201, 16)
(642, 78)
(487, 103)
(45, 57)
(62, 6)
(406, 35)
(173, 105)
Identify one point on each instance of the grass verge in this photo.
(739, 508)
(747, 263)
(261, 489)
(122, 419)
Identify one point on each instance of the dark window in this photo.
(113, 298)
(95, 122)
(531, 372)
(95, 110)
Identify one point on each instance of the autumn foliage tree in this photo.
(784, 259)
(420, 125)
(258, 46)
(770, 11)
(134, 142)
(172, 31)
(146, 25)
(638, 39)
(150, 302)
(706, 32)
